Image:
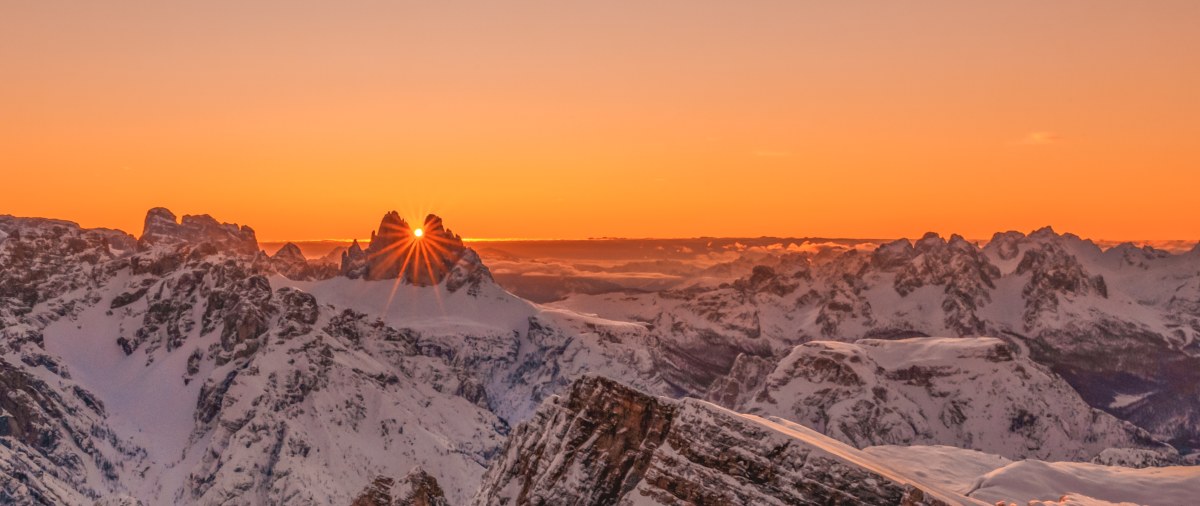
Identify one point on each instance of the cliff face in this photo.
(604, 443)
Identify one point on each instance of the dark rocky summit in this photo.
(397, 251)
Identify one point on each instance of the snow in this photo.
(924, 351)
(847, 453)
(993, 479)
(951, 468)
(1048, 481)
(1122, 400)
(418, 307)
(149, 404)
(968, 392)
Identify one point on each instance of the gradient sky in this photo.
(309, 119)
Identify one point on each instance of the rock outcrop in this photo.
(418, 488)
(162, 228)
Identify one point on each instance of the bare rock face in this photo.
(397, 251)
(161, 228)
(416, 489)
(603, 443)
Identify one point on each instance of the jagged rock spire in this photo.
(396, 251)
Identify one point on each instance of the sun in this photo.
(418, 232)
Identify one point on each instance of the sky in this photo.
(309, 119)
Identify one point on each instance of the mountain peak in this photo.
(289, 252)
(421, 256)
(161, 227)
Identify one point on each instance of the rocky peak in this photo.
(1044, 233)
(929, 241)
(162, 228)
(1054, 271)
(893, 255)
(765, 279)
(1006, 244)
(960, 267)
(289, 253)
(292, 264)
(397, 251)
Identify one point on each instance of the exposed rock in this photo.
(418, 488)
(396, 251)
(161, 228)
(290, 262)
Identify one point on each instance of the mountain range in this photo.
(187, 366)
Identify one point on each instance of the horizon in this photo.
(1169, 244)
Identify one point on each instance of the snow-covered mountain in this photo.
(1120, 325)
(976, 393)
(186, 366)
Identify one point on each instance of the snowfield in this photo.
(993, 479)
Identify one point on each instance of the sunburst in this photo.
(418, 253)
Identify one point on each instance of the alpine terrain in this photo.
(188, 366)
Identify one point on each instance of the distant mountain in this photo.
(1120, 325)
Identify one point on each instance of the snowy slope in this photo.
(976, 393)
(992, 479)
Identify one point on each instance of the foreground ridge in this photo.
(605, 443)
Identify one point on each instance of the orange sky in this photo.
(309, 119)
